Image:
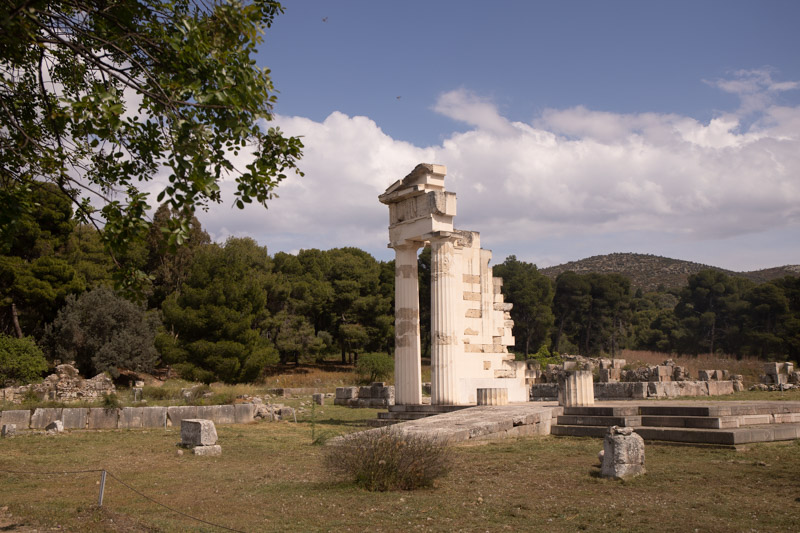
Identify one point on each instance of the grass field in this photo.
(271, 478)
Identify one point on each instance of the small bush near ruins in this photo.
(374, 367)
(388, 459)
(21, 361)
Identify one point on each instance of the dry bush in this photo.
(388, 459)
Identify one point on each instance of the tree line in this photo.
(595, 313)
(227, 311)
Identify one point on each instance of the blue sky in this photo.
(569, 129)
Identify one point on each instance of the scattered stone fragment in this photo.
(623, 453)
(318, 398)
(198, 432)
(8, 430)
(208, 450)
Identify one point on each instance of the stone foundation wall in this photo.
(640, 390)
(127, 417)
(377, 394)
(66, 385)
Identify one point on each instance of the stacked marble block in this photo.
(377, 394)
(576, 389)
(492, 396)
(780, 374)
(200, 436)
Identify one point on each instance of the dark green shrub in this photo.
(388, 459)
(374, 367)
(103, 332)
(21, 361)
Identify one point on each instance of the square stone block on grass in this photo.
(197, 432)
(244, 413)
(43, 417)
(19, 417)
(102, 418)
(130, 417)
(154, 417)
(219, 414)
(211, 451)
(75, 417)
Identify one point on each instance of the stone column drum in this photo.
(407, 357)
(576, 389)
(492, 396)
(444, 339)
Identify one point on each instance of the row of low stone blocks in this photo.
(377, 394)
(639, 390)
(127, 417)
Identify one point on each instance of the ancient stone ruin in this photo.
(623, 453)
(376, 394)
(200, 436)
(778, 376)
(470, 322)
(66, 385)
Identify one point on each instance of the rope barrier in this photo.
(118, 480)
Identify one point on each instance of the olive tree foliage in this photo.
(99, 98)
(103, 332)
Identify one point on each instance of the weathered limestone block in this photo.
(576, 389)
(287, 413)
(794, 377)
(19, 417)
(219, 414)
(610, 375)
(197, 432)
(346, 393)
(42, 417)
(56, 426)
(154, 417)
(492, 396)
(244, 413)
(130, 417)
(705, 375)
(101, 418)
(75, 417)
(208, 451)
(623, 453)
(318, 398)
(773, 369)
(176, 413)
(8, 430)
(718, 388)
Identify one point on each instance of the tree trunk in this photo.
(15, 320)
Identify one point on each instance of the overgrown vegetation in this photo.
(21, 361)
(389, 459)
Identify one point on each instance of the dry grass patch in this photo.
(271, 478)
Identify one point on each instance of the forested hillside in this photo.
(228, 311)
(651, 272)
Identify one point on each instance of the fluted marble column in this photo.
(407, 362)
(444, 306)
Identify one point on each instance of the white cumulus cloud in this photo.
(569, 174)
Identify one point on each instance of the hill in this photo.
(652, 271)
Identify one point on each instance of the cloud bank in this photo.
(627, 180)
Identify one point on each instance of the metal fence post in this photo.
(102, 488)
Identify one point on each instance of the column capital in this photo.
(407, 245)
